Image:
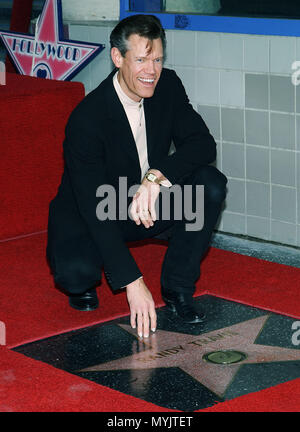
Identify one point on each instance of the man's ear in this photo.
(116, 57)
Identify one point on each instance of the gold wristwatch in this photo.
(152, 178)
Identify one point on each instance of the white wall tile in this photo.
(232, 88)
(187, 76)
(283, 204)
(235, 200)
(282, 54)
(256, 53)
(258, 227)
(208, 86)
(184, 48)
(283, 232)
(234, 223)
(170, 47)
(231, 51)
(208, 49)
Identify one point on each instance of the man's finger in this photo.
(144, 214)
(144, 208)
(146, 324)
(133, 319)
(153, 318)
(140, 324)
(145, 217)
(134, 212)
(152, 210)
(136, 195)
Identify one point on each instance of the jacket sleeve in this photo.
(194, 144)
(85, 162)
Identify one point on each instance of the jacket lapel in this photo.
(119, 127)
(151, 108)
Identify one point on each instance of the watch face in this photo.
(151, 177)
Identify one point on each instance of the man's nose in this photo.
(150, 67)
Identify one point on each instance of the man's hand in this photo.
(143, 204)
(142, 308)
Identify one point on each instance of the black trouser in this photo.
(77, 264)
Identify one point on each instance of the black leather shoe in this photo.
(182, 305)
(85, 302)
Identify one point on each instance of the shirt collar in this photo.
(126, 100)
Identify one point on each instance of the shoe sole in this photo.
(85, 309)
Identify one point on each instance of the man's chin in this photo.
(148, 96)
(148, 93)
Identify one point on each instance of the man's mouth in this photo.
(146, 80)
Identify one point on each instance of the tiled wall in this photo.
(193, 6)
(242, 86)
(95, 10)
(101, 66)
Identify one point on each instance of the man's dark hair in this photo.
(147, 26)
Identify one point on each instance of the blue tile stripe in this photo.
(223, 24)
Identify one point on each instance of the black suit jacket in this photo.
(99, 148)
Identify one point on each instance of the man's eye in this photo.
(139, 60)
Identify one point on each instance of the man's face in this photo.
(140, 69)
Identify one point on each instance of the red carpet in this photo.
(281, 398)
(252, 281)
(35, 309)
(27, 385)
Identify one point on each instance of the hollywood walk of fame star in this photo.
(171, 349)
(46, 54)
